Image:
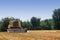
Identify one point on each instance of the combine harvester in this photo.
(16, 26)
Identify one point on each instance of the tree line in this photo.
(36, 23)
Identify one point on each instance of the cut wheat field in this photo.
(32, 35)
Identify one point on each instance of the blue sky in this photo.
(25, 9)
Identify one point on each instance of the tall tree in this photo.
(56, 18)
(35, 23)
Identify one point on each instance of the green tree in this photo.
(35, 23)
(43, 24)
(51, 22)
(56, 18)
(47, 24)
(5, 23)
(27, 25)
(1, 25)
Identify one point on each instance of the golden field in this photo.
(32, 35)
